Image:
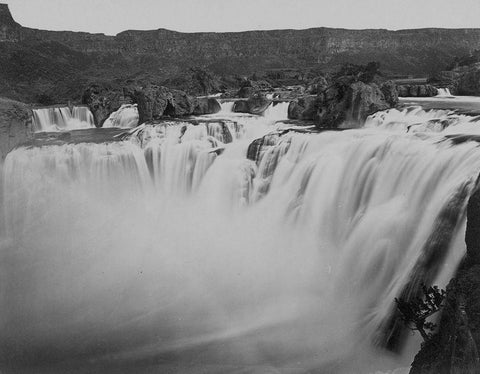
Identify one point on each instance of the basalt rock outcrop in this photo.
(104, 98)
(468, 80)
(455, 347)
(317, 85)
(417, 90)
(344, 103)
(257, 104)
(15, 125)
(155, 102)
(304, 108)
(463, 76)
(249, 88)
(206, 105)
(196, 82)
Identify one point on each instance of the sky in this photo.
(113, 16)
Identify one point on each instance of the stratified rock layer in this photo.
(15, 125)
(51, 66)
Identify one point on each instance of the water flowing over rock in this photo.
(125, 117)
(62, 118)
(305, 226)
(455, 348)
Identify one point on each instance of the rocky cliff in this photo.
(15, 125)
(37, 64)
(454, 349)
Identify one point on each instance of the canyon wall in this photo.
(56, 56)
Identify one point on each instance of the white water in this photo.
(416, 119)
(444, 92)
(62, 118)
(158, 244)
(125, 117)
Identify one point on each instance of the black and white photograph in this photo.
(239, 187)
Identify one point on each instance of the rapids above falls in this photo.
(168, 246)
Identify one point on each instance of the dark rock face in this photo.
(9, 29)
(250, 88)
(155, 102)
(317, 85)
(469, 81)
(256, 104)
(103, 99)
(15, 125)
(454, 349)
(345, 103)
(206, 105)
(462, 80)
(196, 82)
(304, 108)
(417, 90)
(390, 93)
(362, 100)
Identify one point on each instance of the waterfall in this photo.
(62, 118)
(125, 117)
(277, 111)
(226, 107)
(172, 245)
(444, 92)
(415, 119)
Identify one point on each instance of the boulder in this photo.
(103, 99)
(195, 81)
(304, 108)
(206, 105)
(349, 104)
(390, 93)
(15, 125)
(256, 104)
(155, 102)
(363, 100)
(249, 88)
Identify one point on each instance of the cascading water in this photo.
(62, 118)
(444, 92)
(171, 248)
(416, 119)
(125, 117)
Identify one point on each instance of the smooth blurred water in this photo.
(171, 250)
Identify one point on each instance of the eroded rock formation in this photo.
(344, 103)
(15, 125)
(455, 347)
